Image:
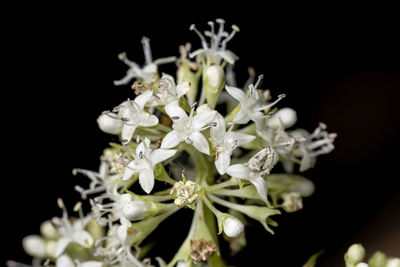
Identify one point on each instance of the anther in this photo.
(124, 119)
(175, 118)
(60, 203)
(193, 105)
(188, 140)
(137, 138)
(77, 206)
(74, 172)
(213, 124)
(323, 126)
(281, 96)
(140, 154)
(259, 81)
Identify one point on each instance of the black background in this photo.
(337, 65)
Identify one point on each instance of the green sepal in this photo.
(378, 259)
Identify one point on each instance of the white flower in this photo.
(71, 232)
(132, 115)
(283, 118)
(169, 92)
(225, 142)
(149, 70)
(252, 105)
(309, 146)
(254, 170)
(144, 162)
(233, 228)
(187, 128)
(101, 181)
(216, 50)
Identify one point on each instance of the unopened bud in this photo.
(355, 254)
(233, 227)
(285, 117)
(109, 125)
(395, 262)
(51, 248)
(135, 210)
(48, 230)
(34, 246)
(214, 82)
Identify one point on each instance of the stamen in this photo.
(164, 60)
(147, 50)
(128, 150)
(280, 97)
(193, 106)
(213, 37)
(175, 118)
(124, 119)
(259, 81)
(140, 154)
(77, 206)
(203, 40)
(189, 141)
(213, 124)
(227, 39)
(156, 96)
(221, 26)
(60, 203)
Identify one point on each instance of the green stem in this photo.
(211, 206)
(230, 182)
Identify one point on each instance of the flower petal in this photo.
(200, 142)
(238, 171)
(229, 56)
(146, 180)
(182, 88)
(172, 139)
(236, 93)
(127, 132)
(260, 185)
(218, 131)
(242, 116)
(83, 238)
(223, 162)
(64, 261)
(109, 125)
(143, 98)
(62, 244)
(242, 138)
(161, 154)
(203, 118)
(174, 111)
(147, 119)
(91, 264)
(141, 148)
(130, 170)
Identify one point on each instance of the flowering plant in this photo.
(229, 140)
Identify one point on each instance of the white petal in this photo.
(130, 170)
(173, 110)
(147, 119)
(223, 162)
(172, 139)
(219, 130)
(122, 232)
(109, 125)
(236, 93)
(83, 238)
(200, 142)
(127, 132)
(64, 261)
(182, 88)
(285, 117)
(143, 98)
(243, 115)
(238, 171)
(203, 118)
(161, 154)
(260, 185)
(146, 180)
(242, 138)
(229, 56)
(62, 244)
(90, 264)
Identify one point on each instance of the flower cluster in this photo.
(229, 153)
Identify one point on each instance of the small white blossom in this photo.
(225, 142)
(187, 128)
(101, 181)
(34, 246)
(65, 261)
(149, 70)
(309, 146)
(144, 162)
(233, 228)
(254, 170)
(109, 125)
(71, 232)
(216, 50)
(132, 114)
(168, 91)
(252, 105)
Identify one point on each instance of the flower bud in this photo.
(109, 125)
(34, 246)
(51, 248)
(135, 210)
(355, 254)
(213, 82)
(362, 264)
(395, 262)
(285, 117)
(181, 264)
(65, 261)
(303, 186)
(48, 230)
(233, 227)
